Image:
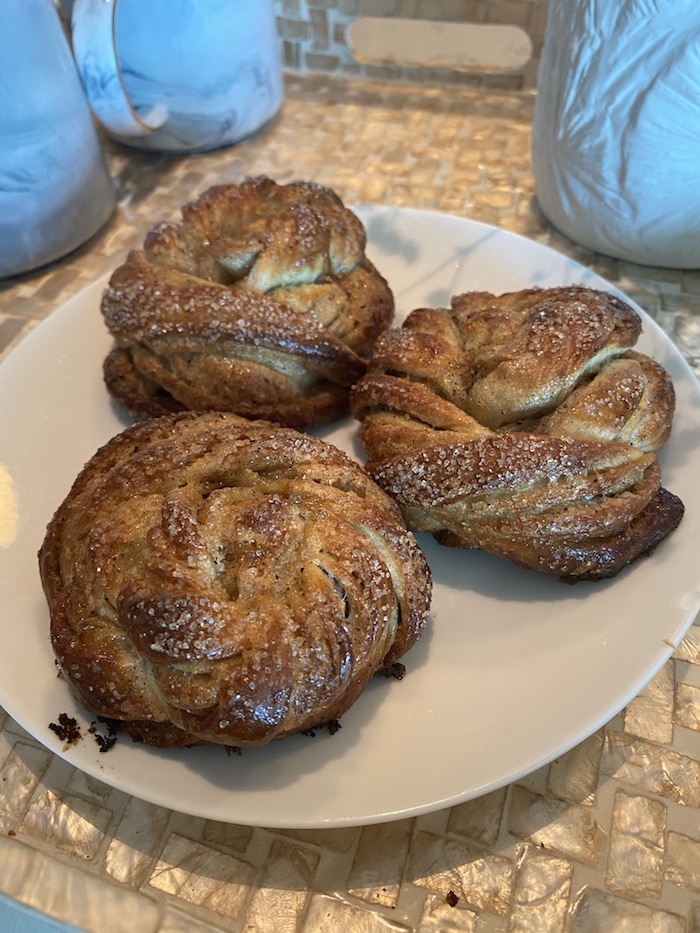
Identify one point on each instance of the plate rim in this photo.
(429, 806)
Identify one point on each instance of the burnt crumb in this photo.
(333, 726)
(395, 670)
(67, 729)
(105, 742)
(233, 750)
(113, 725)
(452, 899)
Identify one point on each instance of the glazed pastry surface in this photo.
(216, 580)
(261, 301)
(524, 424)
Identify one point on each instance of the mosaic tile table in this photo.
(606, 838)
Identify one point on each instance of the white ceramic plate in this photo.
(515, 667)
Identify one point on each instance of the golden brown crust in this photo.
(212, 579)
(572, 508)
(523, 424)
(260, 301)
(631, 399)
(587, 557)
(529, 349)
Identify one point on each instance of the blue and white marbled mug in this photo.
(179, 75)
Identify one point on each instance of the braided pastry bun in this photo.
(526, 425)
(216, 580)
(261, 301)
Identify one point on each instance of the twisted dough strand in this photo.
(572, 508)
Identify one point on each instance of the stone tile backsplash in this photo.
(314, 37)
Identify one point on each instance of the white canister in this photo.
(55, 191)
(616, 133)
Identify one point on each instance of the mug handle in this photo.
(93, 30)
